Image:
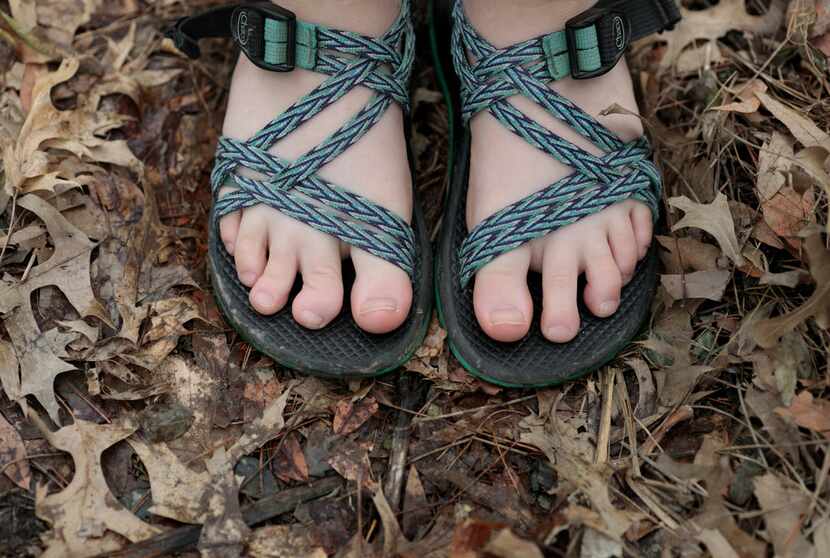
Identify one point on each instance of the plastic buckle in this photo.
(248, 31)
(613, 37)
(184, 42)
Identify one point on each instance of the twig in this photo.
(608, 376)
(680, 414)
(628, 417)
(410, 389)
(183, 538)
(475, 409)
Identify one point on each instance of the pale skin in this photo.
(271, 249)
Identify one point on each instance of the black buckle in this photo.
(613, 37)
(183, 41)
(248, 31)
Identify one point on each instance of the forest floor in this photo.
(134, 422)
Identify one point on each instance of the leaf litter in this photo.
(130, 413)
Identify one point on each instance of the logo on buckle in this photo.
(243, 32)
(619, 32)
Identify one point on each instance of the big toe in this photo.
(321, 297)
(501, 298)
(381, 294)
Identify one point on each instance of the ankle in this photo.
(368, 17)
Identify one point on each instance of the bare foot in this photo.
(270, 248)
(504, 169)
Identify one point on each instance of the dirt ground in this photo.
(134, 422)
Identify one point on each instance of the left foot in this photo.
(504, 169)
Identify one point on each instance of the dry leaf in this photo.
(13, 460)
(767, 332)
(774, 161)
(85, 514)
(714, 218)
(700, 284)
(39, 353)
(349, 415)
(688, 254)
(783, 505)
(225, 532)
(289, 464)
(504, 544)
(807, 412)
(804, 129)
(392, 536)
(283, 541)
(749, 103)
(712, 23)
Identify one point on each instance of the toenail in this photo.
(248, 278)
(608, 307)
(558, 332)
(310, 319)
(378, 305)
(507, 316)
(263, 299)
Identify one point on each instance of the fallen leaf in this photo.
(689, 254)
(783, 505)
(85, 515)
(711, 24)
(768, 331)
(283, 541)
(802, 128)
(504, 544)
(714, 218)
(749, 103)
(701, 284)
(807, 412)
(289, 464)
(40, 353)
(392, 535)
(13, 460)
(224, 533)
(775, 160)
(349, 415)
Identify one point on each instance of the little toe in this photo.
(251, 246)
(624, 246)
(381, 294)
(501, 298)
(643, 225)
(321, 297)
(604, 281)
(560, 272)
(270, 293)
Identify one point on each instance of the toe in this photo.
(251, 246)
(560, 271)
(624, 246)
(321, 297)
(381, 294)
(501, 298)
(643, 224)
(602, 293)
(229, 226)
(270, 293)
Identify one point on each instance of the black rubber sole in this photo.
(532, 361)
(339, 350)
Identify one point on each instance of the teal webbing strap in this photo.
(276, 43)
(558, 58)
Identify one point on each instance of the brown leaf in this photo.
(264, 429)
(804, 129)
(813, 414)
(783, 505)
(13, 460)
(701, 284)
(714, 218)
(675, 383)
(85, 514)
(349, 415)
(749, 103)
(689, 254)
(284, 541)
(392, 536)
(504, 544)
(711, 24)
(39, 353)
(224, 533)
(767, 332)
(775, 160)
(289, 464)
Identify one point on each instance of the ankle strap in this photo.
(270, 36)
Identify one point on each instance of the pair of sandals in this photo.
(484, 78)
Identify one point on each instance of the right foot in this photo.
(269, 248)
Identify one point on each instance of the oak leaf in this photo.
(13, 460)
(85, 514)
(714, 218)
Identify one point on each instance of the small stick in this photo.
(410, 390)
(628, 416)
(608, 376)
(679, 415)
(182, 538)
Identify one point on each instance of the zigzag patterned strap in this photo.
(526, 69)
(349, 59)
